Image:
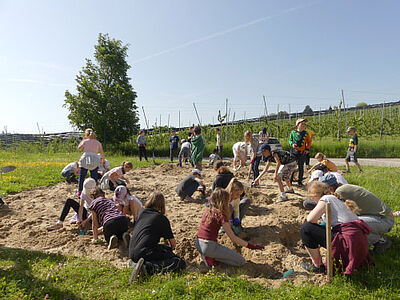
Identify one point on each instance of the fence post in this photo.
(329, 261)
(226, 120)
(383, 113)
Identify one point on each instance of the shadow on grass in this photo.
(21, 275)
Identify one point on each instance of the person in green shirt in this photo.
(197, 148)
(352, 150)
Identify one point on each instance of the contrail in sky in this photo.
(226, 31)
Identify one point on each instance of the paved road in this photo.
(379, 162)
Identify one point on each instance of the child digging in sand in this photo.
(127, 203)
(215, 216)
(321, 159)
(115, 176)
(189, 185)
(70, 172)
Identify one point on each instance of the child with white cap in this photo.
(127, 203)
(82, 215)
(189, 185)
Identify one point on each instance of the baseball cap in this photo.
(350, 128)
(316, 175)
(328, 179)
(300, 120)
(196, 171)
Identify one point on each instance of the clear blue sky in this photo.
(293, 52)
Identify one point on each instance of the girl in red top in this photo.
(215, 216)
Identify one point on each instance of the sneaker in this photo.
(55, 227)
(113, 243)
(137, 267)
(188, 199)
(360, 171)
(209, 261)
(289, 190)
(78, 194)
(221, 230)
(282, 198)
(310, 267)
(309, 204)
(126, 238)
(382, 245)
(255, 185)
(346, 171)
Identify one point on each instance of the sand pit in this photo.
(24, 219)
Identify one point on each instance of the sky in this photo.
(293, 52)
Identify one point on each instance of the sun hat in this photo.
(120, 195)
(316, 175)
(196, 171)
(328, 179)
(350, 128)
(88, 186)
(298, 121)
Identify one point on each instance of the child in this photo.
(190, 134)
(184, 154)
(89, 159)
(213, 157)
(352, 150)
(127, 203)
(285, 166)
(147, 255)
(300, 143)
(307, 159)
(321, 158)
(256, 156)
(219, 142)
(141, 141)
(263, 136)
(224, 176)
(239, 150)
(173, 145)
(238, 207)
(215, 216)
(103, 168)
(82, 216)
(106, 215)
(189, 185)
(197, 148)
(313, 235)
(112, 178)
(70, 172)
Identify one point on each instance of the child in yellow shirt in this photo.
(320, 157)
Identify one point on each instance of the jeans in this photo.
(192, 188)
(254, 167)
(82, 176)
(219, 253)
(301, 157)
(75, 206)
(379, 226)
(173, 153)
(184, 154)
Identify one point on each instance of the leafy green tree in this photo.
(308, 111)
(105, 99)
(361, 104)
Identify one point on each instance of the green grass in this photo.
(31, 275)
(44, 169)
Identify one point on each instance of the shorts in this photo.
(351, 156)
(286, 171)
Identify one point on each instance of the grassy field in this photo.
(33, 275)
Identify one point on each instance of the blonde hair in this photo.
(233, 186)
(248, 136)
(127, 164)
(319, 155)
(350, 204)
(90, 133)
(218, 203)
(317, 189)
(156, 201)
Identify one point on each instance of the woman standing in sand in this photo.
(89, 159)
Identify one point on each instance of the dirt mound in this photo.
(24, 219)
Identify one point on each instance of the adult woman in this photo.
(89, 160)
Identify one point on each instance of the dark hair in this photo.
(217, 129)
(218, 164)
(215, 150)
(264, 131)
(197, 130)
(223, 170)
(96, 193)
(156, 201)
(322, 167)
(141, 131)
(127, 164)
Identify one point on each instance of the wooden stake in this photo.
(226, 120)
(383, 113)
(345, 114)
(329, 259)
(195, 109)
(179, 120)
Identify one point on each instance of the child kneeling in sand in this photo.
(71, 172)
(127, 203)
(322, 160)
(189, 185)
(147, 255)
(215, 216)
(115, 176)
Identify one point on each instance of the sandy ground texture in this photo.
(24, 218)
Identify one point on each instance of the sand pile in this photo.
(24, 219)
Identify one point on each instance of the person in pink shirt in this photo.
(115, 176)
(90, 160)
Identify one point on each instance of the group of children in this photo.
(227, 204)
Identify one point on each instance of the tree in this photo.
(105, 99)
(308, 111)
(361, 104)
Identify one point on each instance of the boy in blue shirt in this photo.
(173, 145)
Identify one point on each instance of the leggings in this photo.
(75, 206)
(82, 176)
(254, 167)
(116, 226)
(219, 253)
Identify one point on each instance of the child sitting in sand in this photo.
(108, 219)
(213, 157)
(80, 208)
(71, 172)
(127, 203)
(189, 185)
(115, 177)
(215, 216)
(321, 158)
